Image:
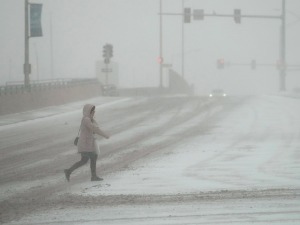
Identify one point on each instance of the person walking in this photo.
(87, 145)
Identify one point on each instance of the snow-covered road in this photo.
(175, 160)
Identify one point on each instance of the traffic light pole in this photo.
(282, 75)
(182, 43)
(107, 55)
(160, 45)
(282, 17)
(224, 15)
(106, 73)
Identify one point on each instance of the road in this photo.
(154, 173)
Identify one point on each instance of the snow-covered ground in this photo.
(244, 169)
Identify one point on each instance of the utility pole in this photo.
(26, 62)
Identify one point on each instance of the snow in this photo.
(215, 161)
(262, 212)
(256, 147)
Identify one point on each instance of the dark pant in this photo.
(85, 156)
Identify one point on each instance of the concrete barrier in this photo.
(20, 102)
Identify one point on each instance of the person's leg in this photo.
(83, 160)
(93, 158)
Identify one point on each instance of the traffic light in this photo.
(237, 15)
(253, 64)
(160, 59)
(280, 65)
(107, 52)
(109, 48)
(187, 15)
(220, 63)
(198, 14)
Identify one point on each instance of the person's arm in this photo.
(94, 127)
(102, 133)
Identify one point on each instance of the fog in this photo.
(74, 32)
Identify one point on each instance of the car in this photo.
(110, 90)
(217, 93)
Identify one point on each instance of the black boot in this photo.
(96, 178)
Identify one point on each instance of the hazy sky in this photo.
(80, 28)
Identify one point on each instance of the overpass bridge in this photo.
(15, 97)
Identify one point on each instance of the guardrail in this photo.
(16, 87)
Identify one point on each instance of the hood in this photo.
(87, 110)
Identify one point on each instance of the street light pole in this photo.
(37, 62)
(26, 62)
(51, 46)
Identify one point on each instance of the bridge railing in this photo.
(17, 87)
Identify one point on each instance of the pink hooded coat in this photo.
(88, 128)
